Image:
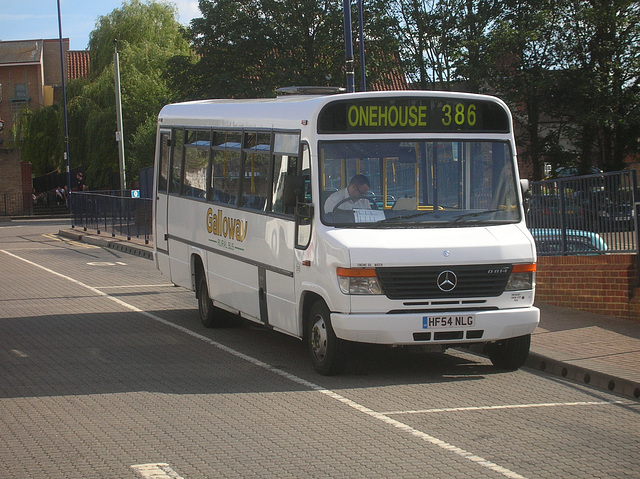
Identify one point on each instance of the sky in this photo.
(38, 19)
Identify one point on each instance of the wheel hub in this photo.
(319, 339)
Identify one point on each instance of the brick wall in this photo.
(11, 182)
(604, 284)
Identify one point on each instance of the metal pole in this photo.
(363, 74)
(64, 108)
(119, 132)
(348, 47)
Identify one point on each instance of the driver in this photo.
(350, 198)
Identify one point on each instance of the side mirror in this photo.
(304, 214)
(526, 194)
(293, 191)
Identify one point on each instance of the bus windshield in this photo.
(417, 183)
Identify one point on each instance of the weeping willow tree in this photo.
(41, 139)
(148, 36)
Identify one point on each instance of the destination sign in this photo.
(413, 114)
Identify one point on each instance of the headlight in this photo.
(523, 276)
(358, 281)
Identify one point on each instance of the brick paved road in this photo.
(103, 366)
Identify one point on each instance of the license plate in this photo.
(444, 321)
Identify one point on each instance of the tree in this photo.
(149, 36)
(444, 41)
(473, 20)
(424, 48)
(248, 48)
(42, 139)
(524, 70)
(601, 53)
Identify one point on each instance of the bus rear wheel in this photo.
(509, 353)
(328, 353)
(206, 309)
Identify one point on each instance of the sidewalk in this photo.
(587, 348)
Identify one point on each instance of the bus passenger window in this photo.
(175, 177)
(196, 160)
(282, 166)
(225, 176)
(165, 151)
(255, 187)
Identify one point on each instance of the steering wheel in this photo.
(350, 198)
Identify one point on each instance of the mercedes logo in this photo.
(447, 281)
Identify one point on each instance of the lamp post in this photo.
(348, 46)
(119, 132)
(64, 104)
(363, 74)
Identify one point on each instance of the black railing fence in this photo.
(591, 214)
(15, 204)
(112, 212)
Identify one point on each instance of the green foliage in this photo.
(570, 70)
(149, 36)
(141, 143)
(146, 25)
(42, 142)
(575, 63)
(248, 48)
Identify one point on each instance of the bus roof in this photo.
(294, 111)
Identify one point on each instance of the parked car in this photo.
(566, 171)
(546, 211)
(552, 241)
(606, 213)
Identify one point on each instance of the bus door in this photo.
(278, 297)
(162, 175)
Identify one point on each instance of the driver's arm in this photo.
(332, 201)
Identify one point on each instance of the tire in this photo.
(509, 354)
(206, 309)
(327, 352)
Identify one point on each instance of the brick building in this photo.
(30, 78)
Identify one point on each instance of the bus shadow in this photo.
(102, 353)
(368, 364)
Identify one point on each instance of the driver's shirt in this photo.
(338, 196)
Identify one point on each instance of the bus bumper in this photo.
(414, 328)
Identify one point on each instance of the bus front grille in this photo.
(467, 281)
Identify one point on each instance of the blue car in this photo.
(551, 241)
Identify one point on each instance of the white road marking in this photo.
(106, 263)
(506, 406)
(51, 236)
(54, 237)
(124, 286)
(156, 471)
(358, 407)
(40, 248)
(18, 353)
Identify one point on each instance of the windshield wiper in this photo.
(405, 217)
(459, 218)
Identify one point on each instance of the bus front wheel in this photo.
(328, 353)
(205, 305)
(509, 353)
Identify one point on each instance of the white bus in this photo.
(430, 249)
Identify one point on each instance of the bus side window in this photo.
(165, 151)
(283, 166)
(225, 167)
(255, 188)
(175, 177)
(196, 161)
(229, 182)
